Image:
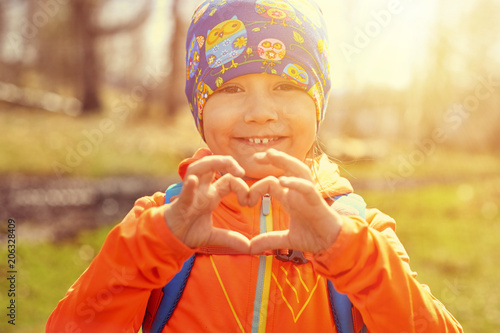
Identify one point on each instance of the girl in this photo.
(257, 84)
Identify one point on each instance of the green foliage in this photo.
(41, 143)
(45, 271)
(451, 234)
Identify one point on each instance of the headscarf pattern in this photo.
(230, 38)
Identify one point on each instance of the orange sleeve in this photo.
(369, 264)
(139, 254)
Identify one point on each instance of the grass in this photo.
(43, 143)
(452, 239)
(45, 272)
(447, 207)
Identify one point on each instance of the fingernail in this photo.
(260, 155)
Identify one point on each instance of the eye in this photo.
(229, 89)
(287, 86)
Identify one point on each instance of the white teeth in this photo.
(259, 141)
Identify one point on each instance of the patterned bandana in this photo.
(231, 38)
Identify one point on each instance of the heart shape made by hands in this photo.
(313, 227)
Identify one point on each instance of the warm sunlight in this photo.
(94, 115)
(378, 42)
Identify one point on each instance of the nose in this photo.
(261, 109)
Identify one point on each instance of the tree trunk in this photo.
(177, 78)
(2, 22)
(87, 33)
(86, 62)
(91, 79)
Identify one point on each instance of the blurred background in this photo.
(93, 116)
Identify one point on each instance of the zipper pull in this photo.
(266, 204)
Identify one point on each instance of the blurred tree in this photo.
(452, 93)
(432, 88)
(2, 21)
(480, 45)
(87, 32)
(174, 92)
(17, 50)
(3, 66)
(139, 56)
(51, 52)
(461, 69)
(2, 33)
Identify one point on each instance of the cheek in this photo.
(307, 136)
(302, 113)
(217, 128)
(212, 126)
(305, 125)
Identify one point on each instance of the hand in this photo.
(314, 225)
(189, 217)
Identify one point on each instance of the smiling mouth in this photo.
(262, 140)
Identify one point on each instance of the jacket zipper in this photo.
(266, 204)
(261, 300)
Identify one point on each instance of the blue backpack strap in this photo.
(341, 310)
(157, 315)
(172, 190)
(172, 293)
(353, 200)
(340, 303)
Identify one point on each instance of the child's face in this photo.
(255, 112)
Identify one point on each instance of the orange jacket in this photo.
(233, 293)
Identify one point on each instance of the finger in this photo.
(216, 163)
(289, 164)
(270, 241)
(269, 185)
(189, 186)
(229, 238)
(229, 184)
(302, 186)
(190, 198)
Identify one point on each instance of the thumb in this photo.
(270, 241)
(229, 238)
